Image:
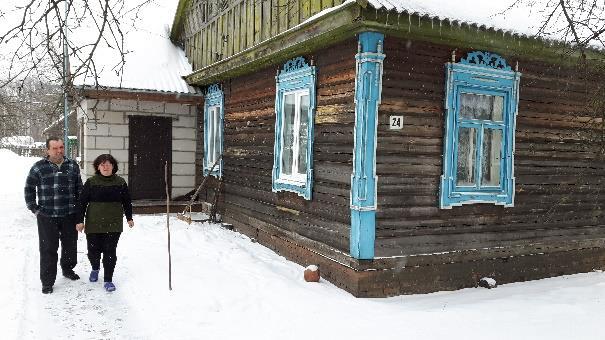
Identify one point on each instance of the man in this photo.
(58, 183)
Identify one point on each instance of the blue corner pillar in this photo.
(368, 86)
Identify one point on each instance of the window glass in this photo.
(289, 115)
(475, 107)
(491, 158)
(216, 134)
(479, 106)
(212, 135)
(302, 133)
(466, 156)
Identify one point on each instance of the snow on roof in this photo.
(55, 122)
(152, 61)
(520, 17)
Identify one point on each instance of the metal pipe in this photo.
(65, 83)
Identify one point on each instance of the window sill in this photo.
(299, 183)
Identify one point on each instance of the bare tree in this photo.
(580, 26)
(578, 23)
(583, 22)
(38, 30)
(37, 34)
(27, 107)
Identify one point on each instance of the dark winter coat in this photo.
(104, 200)
(57, 187)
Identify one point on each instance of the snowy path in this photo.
(227, 287)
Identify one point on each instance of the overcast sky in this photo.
(154, 19)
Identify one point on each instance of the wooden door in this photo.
(150, 146)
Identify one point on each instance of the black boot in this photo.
(71, 275)
(47, 289)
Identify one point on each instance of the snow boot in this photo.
(94, 276)
(71, 275)
(109, 286)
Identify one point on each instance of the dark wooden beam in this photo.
(168, 97)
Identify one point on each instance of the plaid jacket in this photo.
(58, 188)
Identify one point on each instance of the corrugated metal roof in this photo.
(152, 61)
(523, 19)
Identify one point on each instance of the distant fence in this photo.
(27, 151)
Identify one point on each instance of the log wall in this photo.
(249, 138)
(560, 175)
(556, 226)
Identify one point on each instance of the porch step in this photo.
(159, 206)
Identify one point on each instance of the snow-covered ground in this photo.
(227, 287)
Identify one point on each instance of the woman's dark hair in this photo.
(102, 159)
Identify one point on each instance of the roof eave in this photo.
(92, 92)
(356, 17)
(472, 36)
(179, 20)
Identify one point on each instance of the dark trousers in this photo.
(51, 230)
(106, 244)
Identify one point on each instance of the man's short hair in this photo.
(59, 139)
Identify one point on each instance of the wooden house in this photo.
(399, 151)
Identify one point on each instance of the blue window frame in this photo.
(214, 111)
(482, 94)
(294, 111)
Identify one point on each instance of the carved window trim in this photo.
(480, 74)
(295, 78)
(214, 113)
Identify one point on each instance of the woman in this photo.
(104, 199)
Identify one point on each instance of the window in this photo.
(481, 106)
(294, 139)
(294, 108)
(213, 130)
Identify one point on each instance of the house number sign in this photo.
(396, 122)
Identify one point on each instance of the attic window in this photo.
(481, 105)
(294, 110)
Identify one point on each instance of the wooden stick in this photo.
(168, 225)
(201, 185)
